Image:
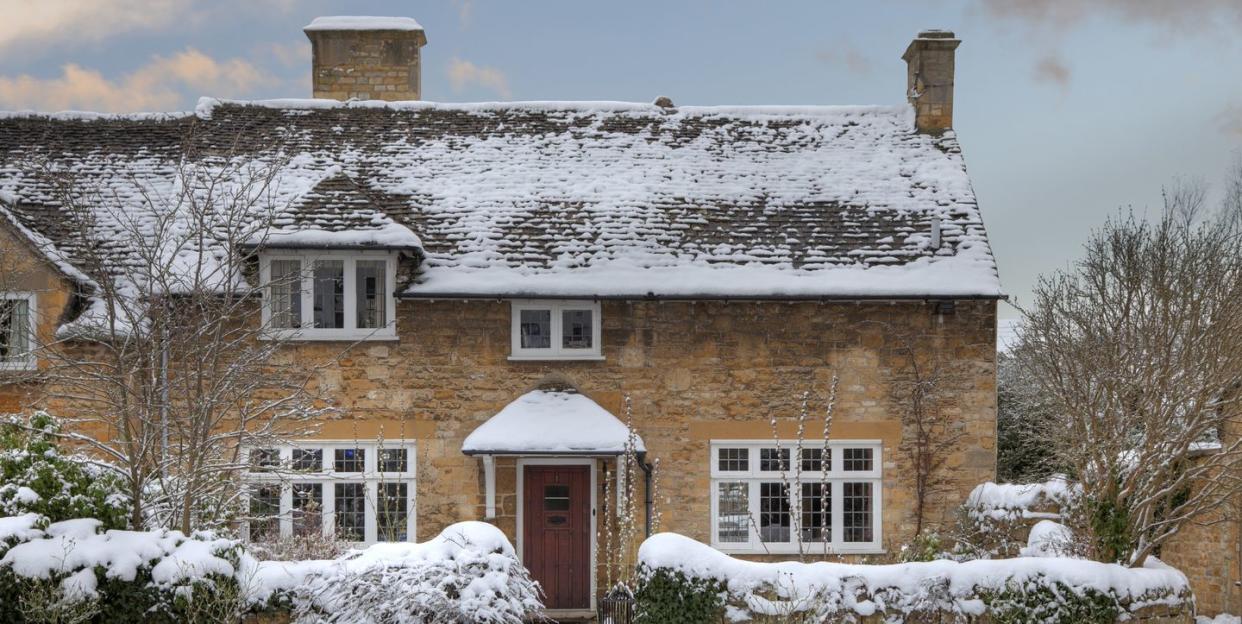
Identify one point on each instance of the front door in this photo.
(556, 527)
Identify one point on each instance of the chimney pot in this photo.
(929, 79)
(366, 58)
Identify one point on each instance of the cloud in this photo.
(158, 85)
(289, 54)
(463, 74)
(1183, 17)
(465, 11)
(1052, 69)
(845, 54)
(59, 20)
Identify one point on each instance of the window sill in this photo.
(808, 549)
(18, 367)
(330, 336)
(556, 358)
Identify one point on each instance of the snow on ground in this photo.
(1223, 618)
(551, 421)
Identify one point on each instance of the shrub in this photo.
(38, 478)
(669, 597)
(1041, 602)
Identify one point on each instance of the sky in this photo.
(1068, 111)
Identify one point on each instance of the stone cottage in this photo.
(501, 280)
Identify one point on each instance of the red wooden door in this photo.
(556, 527)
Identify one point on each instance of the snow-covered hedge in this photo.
(996, 517)
(112, 576)
(1031, 589)
(469, 573)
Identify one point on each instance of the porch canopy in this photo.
(551, 422)
(547, 422)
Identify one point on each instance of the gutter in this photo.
(928, 297)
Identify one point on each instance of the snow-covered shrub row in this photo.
(469, 573)
(115, 575)
(1030, 589)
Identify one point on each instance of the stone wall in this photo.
(694, 372)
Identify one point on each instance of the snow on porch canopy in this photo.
(551, 422)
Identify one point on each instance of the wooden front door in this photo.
(556, 533)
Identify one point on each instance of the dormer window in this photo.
(330, 295)
(556, 330)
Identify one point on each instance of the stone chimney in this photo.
(929, 79)
(368, 58)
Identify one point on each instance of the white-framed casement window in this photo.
(17, 331)
(830, 501)
(351, 491)
(556, 330)
(330, 295)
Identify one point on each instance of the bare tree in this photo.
(168, 372)
(1138, 348)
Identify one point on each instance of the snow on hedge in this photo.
(959, 587)
(75, 548)
(1014, 501)
(468, 573)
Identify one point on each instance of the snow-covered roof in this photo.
(573, 199)
(362, 22)
(551, 422)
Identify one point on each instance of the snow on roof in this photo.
(590, 199)
(362, 22)
(550, 421)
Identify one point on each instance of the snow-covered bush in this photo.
(36, 477)
(48, 569)
(468, 574)
(1007, 590)
(995, 519)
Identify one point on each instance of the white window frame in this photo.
(285, 477)
(837, 477)
(556, 351)
(349, 332)
(31, 361)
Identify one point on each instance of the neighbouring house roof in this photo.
(564, 199)
(544, 422)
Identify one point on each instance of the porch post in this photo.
(489, 486)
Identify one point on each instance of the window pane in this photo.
(307, 508)
(286, 289)
(857, 459)
(556, 498)
(816, 459)
(350, 460)
(576, 329)
(330, 294)
(734, 459)
(308, 459)
(14, 329)
(351, 511)
(264, 459)
(391, 514)
(774, 516)
(768, 461)
(392, 460)
(856, 507)
(265, 513)
(816, 512)
(536, 327)
(372, 300)
(733, 508)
